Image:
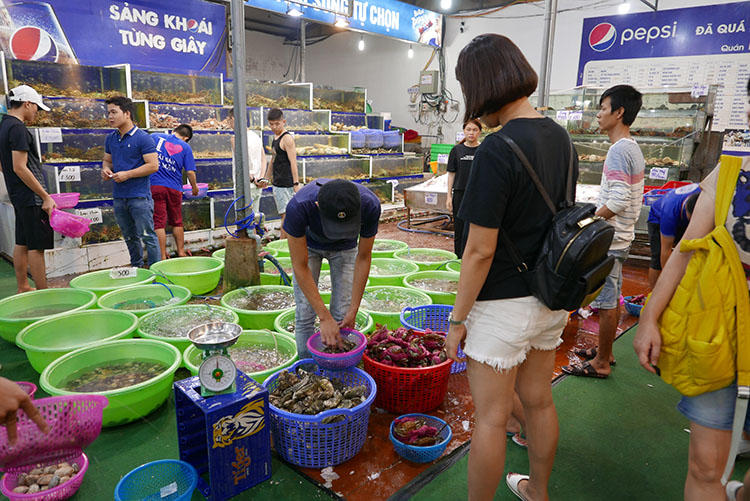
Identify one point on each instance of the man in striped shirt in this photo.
(620, 199)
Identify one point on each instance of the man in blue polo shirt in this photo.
(323, 221)
(667, 221)
(175, 155)
(129, 159)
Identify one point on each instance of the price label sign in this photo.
(430, 198)
(699, 91)
(94, 214)
(50, 135)
(69, 173)
(116, 273)
(562, 115)
(443, 158)
(168, 490)
(659, 173)
(575, 115)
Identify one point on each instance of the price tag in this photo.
(116, 273)
(430, 198)
(562, 115)
(70, 173)
(168, 490)
(660, 173)
(94, 214)
(575, 115)
(699, 91)
(50, 135)
(443, 158)
(459, 136)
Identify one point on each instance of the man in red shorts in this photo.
(175, 155)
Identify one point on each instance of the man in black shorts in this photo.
(25, 183)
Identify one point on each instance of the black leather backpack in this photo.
(573, 262)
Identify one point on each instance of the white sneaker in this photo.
(731, 489)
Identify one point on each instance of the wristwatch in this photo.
(453, 321)
(296, 183)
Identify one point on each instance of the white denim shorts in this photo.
(501, 332)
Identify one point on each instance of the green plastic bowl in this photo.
(149, 322)
(363, 322)
(436, 296)
(326, 295)
(388, 246)
(454, 266)
(129, 403)
(265, 339)
(157, 293)
(252, 319)
(392, 319)
(45, 302)
(280, 246)
(219, 254)
(47, 340)
(414, 255)
(199, 274)
(399, 268)
(275, 278)
(99, 282)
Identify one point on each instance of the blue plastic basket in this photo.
(423, 454)
(164, 480)
(337, 361)
(305, 440)
(632, 308)
(433, 317)
(650, 197)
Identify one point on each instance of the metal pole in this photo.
(241, 156)
(550, 18)
(302, 44)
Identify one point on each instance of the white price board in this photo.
(575, 115)
(50, 135)
(562, 115)
(117, 273)
(94, 214)
(430, 198)
(659, 173)
(69, 173)
(443, 158)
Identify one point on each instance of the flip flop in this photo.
(588, 354)
(520, 441)
(584, 370)
(732, 487)
(512, 480)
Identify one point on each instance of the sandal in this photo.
(520, 441)
(512, 480)
(584, 370)
(588, 354)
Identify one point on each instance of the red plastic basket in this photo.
(408, 389)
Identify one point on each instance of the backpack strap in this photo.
(532, 173)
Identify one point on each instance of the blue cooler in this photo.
(358, 138)
(391, 139)
(373, 138)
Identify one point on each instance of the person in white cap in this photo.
(22, 170)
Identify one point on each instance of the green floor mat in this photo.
(7, 279)
(620, 438)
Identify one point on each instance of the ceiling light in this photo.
(445, 4)
(624, 7)
(361, 44)
(341, 22)
(410, 53)
(294, 12)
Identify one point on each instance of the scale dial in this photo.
(217, 373)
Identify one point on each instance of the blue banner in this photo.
(382, 17)
(184, 37)
(714, 29)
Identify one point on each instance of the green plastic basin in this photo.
(47, 340)
(363, 322)
(280, 246)
(453, 266)
(181, 319)
(156, 293)
(253, 319)
(222, 252)
(384, 248)
(385, 271)
(437, 297)
(264, 339)
(199, 274)
(404, 297)
(99, 282)
(275, 278)
(419, 256)
(16, 312)
(125, 404)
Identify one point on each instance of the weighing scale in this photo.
(217, 372)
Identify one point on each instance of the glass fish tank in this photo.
(273, 95)
(375, 122)
(301, 120)
(336, 168)
(339, 100)
(105, 231)
(392, 166)
(217, 172)
(381, 188)
(222, 200)
(311, 145)
(83, 113)
(68, 80)
(196, 214)
(164, 115)
(377, 142)
(342, 122)
(212, 144)
(81, 177)
(268, 205)
(176, 88)
(78, 145)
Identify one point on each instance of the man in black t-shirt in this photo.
(22, 171)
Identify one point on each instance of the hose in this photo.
(246, 223)
(431, 220)
(284, 277)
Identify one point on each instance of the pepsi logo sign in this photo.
(30, 43)
(192, 25)
(602, 37)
